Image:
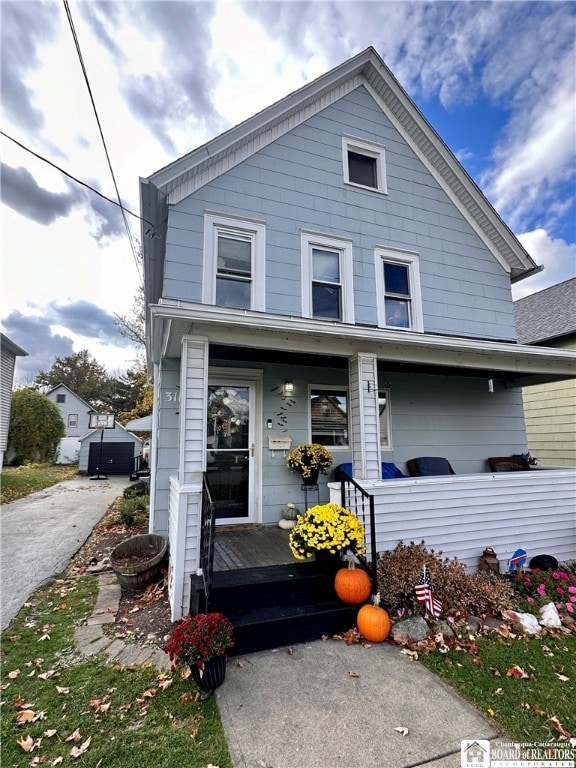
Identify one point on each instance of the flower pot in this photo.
(328, 562)
(212, 675)
(312, 478)
(139, 560)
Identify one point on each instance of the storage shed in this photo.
(119, 447)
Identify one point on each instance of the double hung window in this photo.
(398, 287)
(327, 292)
(234, 268)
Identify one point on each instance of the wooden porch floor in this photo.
(251, 548)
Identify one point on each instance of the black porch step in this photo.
(279, 605)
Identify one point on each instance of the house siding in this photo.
(8, 362)
(72, 405)
(297, 182)
(461, 516)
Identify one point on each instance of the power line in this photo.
(81, 59)
(151, 232)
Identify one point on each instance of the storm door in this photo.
(230, 451)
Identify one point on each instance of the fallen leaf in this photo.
(240, 664)
(498, 692)
(402, 730)
(14, 674)
(48, 675)
(517, 672)
(563, 678)
(412, 655)
(26, 716)
(75, 736)
(185, 673)
(79, 751)
(164, 684)
(490, 712)
(51, 732)
(43, 637)
(27, 743)
(495, 672)
(149, 694)
(353, 674)
(57, 761)
(15, 638)
(557, 725)
(63, 691)
(289, 652)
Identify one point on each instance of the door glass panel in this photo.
(228, 449)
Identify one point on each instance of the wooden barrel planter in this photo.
(138, 560)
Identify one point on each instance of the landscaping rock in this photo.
(443, 627)
(414, 628)
(492, 623)
(474, 625)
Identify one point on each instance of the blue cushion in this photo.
(389, 471)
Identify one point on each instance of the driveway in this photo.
(40, 533)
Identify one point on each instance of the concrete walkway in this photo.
(41, 532)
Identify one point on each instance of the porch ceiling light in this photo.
(288, 387)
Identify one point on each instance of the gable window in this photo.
(60, 398)
(72, 419)
(398, 290)
(327, 292)
(384, 418)
(329, 417)
(234, 266)
(364, 164)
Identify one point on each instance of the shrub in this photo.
(36, 427)
(459, 592)
(129, 508)
(537, 588)
(138, 489)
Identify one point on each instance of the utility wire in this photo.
(151, 231)
(81, 59)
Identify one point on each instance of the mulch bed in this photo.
(143, 615)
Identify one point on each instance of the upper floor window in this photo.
(327, 291)
(234, 262)
(329, 417)
(72, 419)
(60, 398)
(364, 164)
(398, 290)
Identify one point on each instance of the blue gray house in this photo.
(327, 271)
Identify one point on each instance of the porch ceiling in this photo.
(256, 336)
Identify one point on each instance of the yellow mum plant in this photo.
(327, 527)
(307, 457)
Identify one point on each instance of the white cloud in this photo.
(556, 256)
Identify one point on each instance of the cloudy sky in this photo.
(495, 79)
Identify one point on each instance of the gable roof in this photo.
(548, 314)
(182, 177)
(63, 386)
(9, 346)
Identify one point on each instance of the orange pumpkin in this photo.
(352, 584)
(373, 622)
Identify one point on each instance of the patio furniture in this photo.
(389, 471)
(424, 466)
(507, 464)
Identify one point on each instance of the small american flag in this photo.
(425, 595)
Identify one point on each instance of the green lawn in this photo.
(20, 481)
(538, 707)
(55, 703)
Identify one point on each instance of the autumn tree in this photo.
(36, 427)
(81, 373)
(144, 402)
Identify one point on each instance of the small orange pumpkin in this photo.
(373, 622)
(352, 584)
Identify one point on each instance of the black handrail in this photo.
(207, 530)
(357, 499)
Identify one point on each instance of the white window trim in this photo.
(329, 388)
(388, 446)
(411, 260)
(370, 149)
(214, 224)
(309, 240)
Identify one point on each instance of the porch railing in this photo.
(361, 503)
(207, 531)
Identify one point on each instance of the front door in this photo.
(230, 450)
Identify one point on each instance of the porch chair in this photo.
(507, 464)
(424, 466)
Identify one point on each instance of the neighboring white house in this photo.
(75, 414)
(331, 249)
(8, 352)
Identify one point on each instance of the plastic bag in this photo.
(550, 617)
